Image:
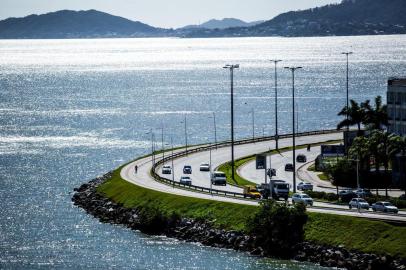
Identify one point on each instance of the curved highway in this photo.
(143, 177)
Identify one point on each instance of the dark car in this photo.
(346, 195)
(187, 169)
(289, 167)
(301, 158)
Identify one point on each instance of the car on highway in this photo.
(218, 178)
(346, 195)
(289, 167)
(301, 158)
(363, 192)
(303, 186)
(386, 207)
(358, 203)
(187, 169)
(302, 198)
(186, 180)
(166, 169)
(251, 192)
(204, 167)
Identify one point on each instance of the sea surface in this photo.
(71, 110)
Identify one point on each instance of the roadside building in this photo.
(396, 99)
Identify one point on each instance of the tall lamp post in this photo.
(215, 128)
(293, 69)
(184, 121)
(252, 121)
(152, 146)
(231, 68)
(347, 96)
(276, 103)
(162, 143)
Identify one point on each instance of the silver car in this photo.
(386, 207)
(166, 169)
(304, 186)
(186, 180)
(303, 198)
(358, 203)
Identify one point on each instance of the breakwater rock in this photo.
(152, 221)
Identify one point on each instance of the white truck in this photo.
(275, 189)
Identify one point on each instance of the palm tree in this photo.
(377, 117)
(360, 151)
(356, 116)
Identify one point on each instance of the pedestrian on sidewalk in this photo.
(308, 148)
(136, 168)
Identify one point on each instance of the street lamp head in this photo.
(347, 53)
(293, 68)
(275, 61)
(232, 66)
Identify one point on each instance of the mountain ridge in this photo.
(350, 17)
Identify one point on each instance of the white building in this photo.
(396, 99)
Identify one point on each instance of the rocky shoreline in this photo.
(107, 211)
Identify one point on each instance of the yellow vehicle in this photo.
(251, 192)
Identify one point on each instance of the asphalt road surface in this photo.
(222, 155)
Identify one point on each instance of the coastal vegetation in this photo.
(352, 233)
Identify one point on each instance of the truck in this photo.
(275, 189)
(251, 192)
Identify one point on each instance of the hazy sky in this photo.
(164, 13)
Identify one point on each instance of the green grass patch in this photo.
(354, 233)
(323, 176)
(225, 215)
(312, 168)
(240, 181)
(357, 233)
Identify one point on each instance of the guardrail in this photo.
(220, 145)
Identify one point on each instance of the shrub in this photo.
(322, 195)
(278, 227)
(154, 221)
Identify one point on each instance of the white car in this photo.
(305, 186)
(186, 180)
(302, 198)
(166, 169)
(218, 178)
(385, 207)
(359, 203)
(205, 167)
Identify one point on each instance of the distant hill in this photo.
(350, 17)
(223, 23)
(75, 24)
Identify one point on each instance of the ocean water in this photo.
(73, 109)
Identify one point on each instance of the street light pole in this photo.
(293, 69)
(253, 124)
(347, 54)
(185, 133)
(231, 68)
(173, 168)
(215, 129)
(276, 104)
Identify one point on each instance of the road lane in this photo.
(144, 179)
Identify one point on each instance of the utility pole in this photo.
(347, 98)
(293, 69)
(231, 68)
(276, 104)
